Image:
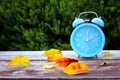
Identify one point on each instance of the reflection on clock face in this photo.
(88, 39)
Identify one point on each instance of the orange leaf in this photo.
(63, 62)
(54, 57)
(76, 68)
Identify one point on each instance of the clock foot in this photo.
(81, 58)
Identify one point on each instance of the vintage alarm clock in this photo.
(87, 39)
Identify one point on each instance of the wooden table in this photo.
(35, 72)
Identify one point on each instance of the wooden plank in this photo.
(33, 55)
(115, 54)
(37, 55)
(35, 72)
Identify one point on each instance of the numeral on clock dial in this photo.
(87, 51)
(77, 39)
(82, 30)
(81, 49)
(79, 35)
(96, 45)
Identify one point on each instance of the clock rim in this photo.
(77, 50)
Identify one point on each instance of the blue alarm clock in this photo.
(87, 39)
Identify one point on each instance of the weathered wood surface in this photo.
(35, 72)
(37, 55)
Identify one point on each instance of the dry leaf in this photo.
(105, 64)
(107, 55)
(63, 62)
(19, 61)
(76, 68)
(46, 66)
(54, 57)
(52, 51)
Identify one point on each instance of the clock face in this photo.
(87, 40)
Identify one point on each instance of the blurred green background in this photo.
(44, 24)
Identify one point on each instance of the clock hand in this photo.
(91, 38)
(87, 35)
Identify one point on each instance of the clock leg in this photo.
(81, 58)
(96, 57)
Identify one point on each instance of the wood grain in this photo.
(35, 72)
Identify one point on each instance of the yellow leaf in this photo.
(76, 68)
(52, 51)
(107, 55)
(46, 66)
(19, 61)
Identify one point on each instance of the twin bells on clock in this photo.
(98, 21)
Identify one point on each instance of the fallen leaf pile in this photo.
(70, 66)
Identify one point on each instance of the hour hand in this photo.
(91, 38)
